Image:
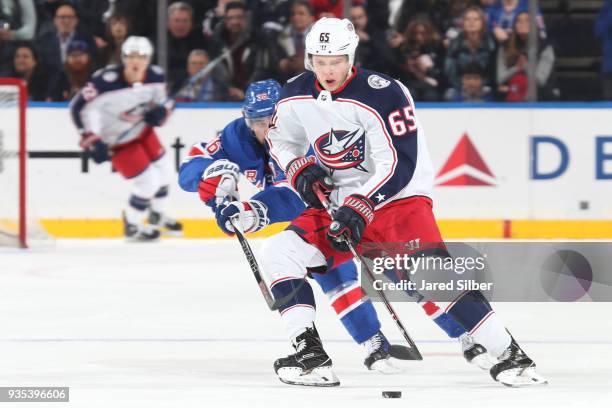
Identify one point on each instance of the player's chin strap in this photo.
(415, 353)
(273, 304)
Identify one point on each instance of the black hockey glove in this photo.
(349, 221)
(156, 116)
(305, 175)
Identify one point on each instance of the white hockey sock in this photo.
(297, 319)
(158, 202)
(492, 334)
(134, 215)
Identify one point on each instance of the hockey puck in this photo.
(392, 394)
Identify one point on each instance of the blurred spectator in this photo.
(25, 66)
(77, 70)
(409, 10)
(603, 30)
(200, 8)
(330, 8)
(448, 17)
(271, 15)
(211, 87)
(243, 50)
(53, 45)
(182, 38)
(213, 17)
(378, 14)
(17, 23)
(17, 20)
(473, 88)
(372, 51)
(117, 30)
(473, 44)
(501, 15)
(291, 40)
(143, 16)
(422, 57)
(512, 65)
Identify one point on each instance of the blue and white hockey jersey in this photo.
(113, 109)
(365, 134)
(237, 144)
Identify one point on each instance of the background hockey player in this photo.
(115, 114)
(375, 168)
(212, 169)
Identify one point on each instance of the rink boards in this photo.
(520, 171)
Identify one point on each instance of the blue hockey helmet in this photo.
(260, 98)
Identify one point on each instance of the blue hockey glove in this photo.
(99, 152)
(156, 115)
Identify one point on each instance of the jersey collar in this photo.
(319, 88)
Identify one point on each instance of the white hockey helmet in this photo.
(331, 36)
(138, 45)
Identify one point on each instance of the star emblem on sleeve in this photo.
(380, 197)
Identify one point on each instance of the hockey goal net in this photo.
(13, 223)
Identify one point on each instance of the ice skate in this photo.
(139, 232)
(385, 357)
(310, 365)
(516, 369)
(162, 221)
(475, 353)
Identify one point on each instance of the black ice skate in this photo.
(310, 365)
(385, 357)
(139, 233)
(159, 220)
(475, 353)
(516, 369)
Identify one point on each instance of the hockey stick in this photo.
(250, 256)
(415, 353)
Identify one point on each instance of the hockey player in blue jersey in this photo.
(212, 169)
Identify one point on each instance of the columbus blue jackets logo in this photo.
(342, 149)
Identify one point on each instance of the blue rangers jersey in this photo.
(365, 134)
(238, 144)
(113, 109)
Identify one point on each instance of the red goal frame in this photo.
(22, 154)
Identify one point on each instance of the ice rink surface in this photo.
(181, 323)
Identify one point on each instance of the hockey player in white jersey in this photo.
(115, 114)
(373, 165)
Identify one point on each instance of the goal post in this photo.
(13, 157)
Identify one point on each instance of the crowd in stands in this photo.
(443, 50)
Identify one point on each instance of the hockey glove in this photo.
(252, 216)
(95, 147)
(99, 152)
(349, 222)
(219, 183)
(156, 116)
(304, 175)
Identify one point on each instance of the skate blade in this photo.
(483, 361)
(318, 377)
(519, 377)
(170, 233)
(141, 240)
(404, 353)
(388, 366)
